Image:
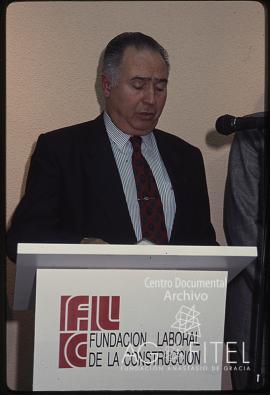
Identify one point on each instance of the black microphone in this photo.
(227, 124)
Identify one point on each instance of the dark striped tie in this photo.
(151, 209)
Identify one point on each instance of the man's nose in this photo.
(149, 94)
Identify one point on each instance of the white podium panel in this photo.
(127, 329)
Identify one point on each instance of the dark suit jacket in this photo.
(243, 226)
(74, 190)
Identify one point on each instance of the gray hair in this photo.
(113, 54)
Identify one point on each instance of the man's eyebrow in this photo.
(137, 77)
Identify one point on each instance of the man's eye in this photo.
(160, 87)
(137, 86)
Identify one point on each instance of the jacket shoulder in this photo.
(71, 133)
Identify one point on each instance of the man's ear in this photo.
(106, 85)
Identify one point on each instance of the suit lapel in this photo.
(99, 158)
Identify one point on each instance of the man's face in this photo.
(137, 101)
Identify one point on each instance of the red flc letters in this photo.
(78, 316)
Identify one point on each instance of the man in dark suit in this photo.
(244, 213)
(81, 182)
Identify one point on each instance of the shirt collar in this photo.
(115, 134)
(120, 138)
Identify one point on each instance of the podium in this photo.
(127, 317)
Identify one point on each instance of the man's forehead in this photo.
(144, 78)
(144, 64)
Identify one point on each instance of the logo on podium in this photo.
(79, 315)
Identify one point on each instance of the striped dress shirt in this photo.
(122, 150)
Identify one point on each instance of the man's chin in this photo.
(144, 127)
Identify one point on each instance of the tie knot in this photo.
(136, 142)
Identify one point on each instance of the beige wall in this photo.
(217, 61)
